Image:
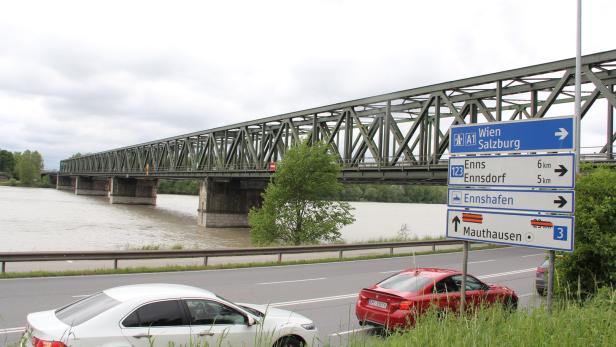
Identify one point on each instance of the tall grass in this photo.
(571, 324)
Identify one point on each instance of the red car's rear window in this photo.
(405, 282)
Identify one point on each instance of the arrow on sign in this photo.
(561, 201)
(561, 133)
(455, 222)
(563, 170)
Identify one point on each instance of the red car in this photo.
(395, 302)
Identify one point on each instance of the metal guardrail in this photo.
(9, 257)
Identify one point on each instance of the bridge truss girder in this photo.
(397, 137)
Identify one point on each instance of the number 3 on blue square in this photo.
(560, 233)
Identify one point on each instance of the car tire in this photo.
(510, 304)
(289, 341)
(541, 291)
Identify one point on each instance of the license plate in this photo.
(376, 303)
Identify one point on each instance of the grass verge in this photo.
(570, 324)
(173, 268)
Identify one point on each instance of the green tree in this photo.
(592, 264)
(28, 166)
(297, 204)
(7, 162)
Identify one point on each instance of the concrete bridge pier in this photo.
(85, 185)
(224, 203)
(132, 191)
(64, 183)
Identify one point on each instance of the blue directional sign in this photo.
(532, 135)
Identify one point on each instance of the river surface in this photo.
(34, 219)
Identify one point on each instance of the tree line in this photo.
(348, 192)
(22, 168)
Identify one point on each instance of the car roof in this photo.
(156, 291)
(431, 272)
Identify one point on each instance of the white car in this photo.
(166, 315)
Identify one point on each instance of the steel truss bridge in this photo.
(396, 137)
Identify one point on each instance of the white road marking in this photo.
(533, 255)
(525, 295)
(515, 272)
(481, 261)
(294, 281)
(470, 262)
(12, 330)
(314, 300)
(81, 296)
(351, 331)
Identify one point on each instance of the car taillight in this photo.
(36, 342)
(540, 272)
(406, 305)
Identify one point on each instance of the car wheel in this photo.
(541, 291)
(510, 304)
(289, 341)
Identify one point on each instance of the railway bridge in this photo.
(400, 137)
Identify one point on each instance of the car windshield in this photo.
(545, 264)
(83, 310)
(405, 282)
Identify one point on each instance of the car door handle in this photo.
(140, 336)
(206, 333)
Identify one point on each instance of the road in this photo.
(323, 292)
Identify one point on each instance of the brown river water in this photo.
(47, 219)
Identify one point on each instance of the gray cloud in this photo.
(76, 78)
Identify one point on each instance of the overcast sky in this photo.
(85, 76)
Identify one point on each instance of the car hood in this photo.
(501, 287)
(46, 325)
(278, 315)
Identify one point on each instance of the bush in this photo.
(592, 265)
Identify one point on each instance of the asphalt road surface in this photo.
(325, 293)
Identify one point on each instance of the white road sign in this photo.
(529, 230)
(540, 171)
(517, 200)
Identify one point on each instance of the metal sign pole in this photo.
(578, 82)
(464, 271)
(550, 280)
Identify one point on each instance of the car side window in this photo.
(207, 312)
(446, 285)
(471, 283)
(156, 314)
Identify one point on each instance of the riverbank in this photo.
(43, 183)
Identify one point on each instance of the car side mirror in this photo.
(251, 321)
